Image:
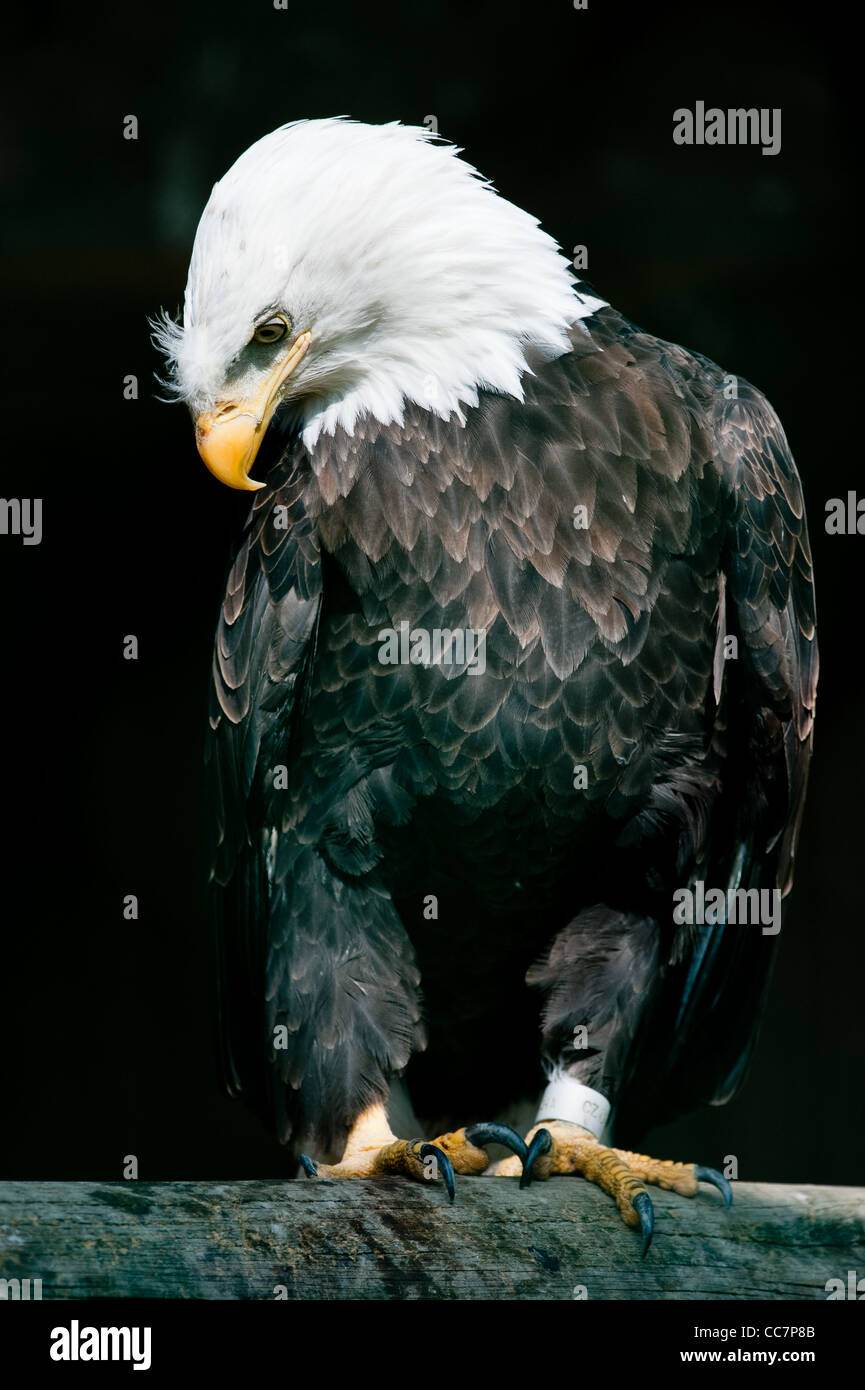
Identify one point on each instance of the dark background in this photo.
(106, 1025)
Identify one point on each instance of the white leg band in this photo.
(567, 1099)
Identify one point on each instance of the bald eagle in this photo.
(516, 657)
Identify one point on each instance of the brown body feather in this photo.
(602, 651)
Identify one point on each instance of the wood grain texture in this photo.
(390, 1239)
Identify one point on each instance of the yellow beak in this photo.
(229, 436)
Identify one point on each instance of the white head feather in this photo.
(416, 280)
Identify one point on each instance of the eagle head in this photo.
(342, 269)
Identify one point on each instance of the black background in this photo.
(106, 1025)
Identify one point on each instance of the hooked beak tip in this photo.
(228, 447)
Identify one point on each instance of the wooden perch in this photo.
(394, 1239)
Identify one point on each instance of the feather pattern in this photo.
(601, 631)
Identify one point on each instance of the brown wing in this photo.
(264, 644)
(698, 1040)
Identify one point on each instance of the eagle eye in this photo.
(271, 331)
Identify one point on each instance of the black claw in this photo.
(646, 1212)
(716, 1179)
(445, 1167)
(481, 1135)
(541, 1144)
(308, 1166)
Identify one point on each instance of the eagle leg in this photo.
(372, 1150)
(557, 1146)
